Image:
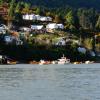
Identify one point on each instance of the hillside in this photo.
(62, 3)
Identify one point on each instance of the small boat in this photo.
(77, 62)
(33, 62)
(43, 62)
(54, 62)
(63, 60)
(89, 62)
(11, 62)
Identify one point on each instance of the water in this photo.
(53, 82)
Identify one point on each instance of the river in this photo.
(50, 82)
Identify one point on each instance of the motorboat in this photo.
(63, 60)
(89, 62)
(43, 62)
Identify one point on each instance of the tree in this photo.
(17, 9)
(26, 8)
(57, 19)
(38, 11)
(87, 18)
(11, 13)
(70, 19)
(98, 23)
(1, 2)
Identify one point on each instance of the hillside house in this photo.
(53, 26)
(36, 17)
(29, 17)
(60, 26)
(45, 19)
(12, 40)
(36, 27)
(25, 29)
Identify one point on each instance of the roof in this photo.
(38, 27)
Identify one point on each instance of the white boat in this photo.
(42, 62)
(89, 62)
(63, 60)
(54, 62)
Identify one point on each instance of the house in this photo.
(12, 40)
(53, 26)
(45, 18)
(26, 17)
(8, 39)
(60, 26)
(25, 29)
(29, 17)
(36, 27)
(37, 17)
(32, 17)
(49, 19)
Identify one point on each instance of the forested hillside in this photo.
(62, 3)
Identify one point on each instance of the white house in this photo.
(49, 19)
(60, 26)
(12, 39)
(29, 17)
(26, 29)
(32, 17)
(52, 26)
(26, 17)
(37, 17)
(42, 18)
(8, 39)
(36, 27)
(55, 26)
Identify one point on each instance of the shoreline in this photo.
(94, 65)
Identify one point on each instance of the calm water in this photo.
(53, 82)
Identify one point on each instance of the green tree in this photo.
(70, 19)
(57, 19)
(11, 13)
(18, 7)
(38, 11)
(98, 23)
(26, 8)
(1, 2)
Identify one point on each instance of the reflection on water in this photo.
(50, 83)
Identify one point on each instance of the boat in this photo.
(11, 62)
(89, 62)
(54, 62)
(63, 60)
(33, 62)
(43, 62)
